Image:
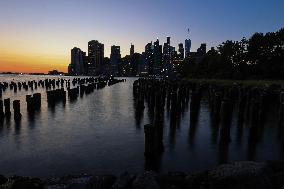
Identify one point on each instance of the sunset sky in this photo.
(37, 35)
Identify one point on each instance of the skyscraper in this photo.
(134, 64)
(167, 50)
(115, 57)
(149, 57)
(76, 66)
(95, 56)
(187, 47)
(85, 63)
(131, 50)
(169, 40)
(167, 54)
(142, 67)
(181, 51)
(157, 55)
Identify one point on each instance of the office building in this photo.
(95, 57)
(149, 58)
(180, 51)
(187, 48)
(157, 57)
(115, 58)
(76, 66)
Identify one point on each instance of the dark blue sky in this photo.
(55, 26)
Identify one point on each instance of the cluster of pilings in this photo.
(249, 102)
(73, 93)
(113, 81)
(88, 86)
(56, 91)
(158, 94)
(33, 102)
(5, 109)
(50, 84)
(87, 89)
(57, 95)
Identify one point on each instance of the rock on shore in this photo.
(238, 175)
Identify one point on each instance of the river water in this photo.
(100, 133)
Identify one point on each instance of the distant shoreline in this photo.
(223, 82)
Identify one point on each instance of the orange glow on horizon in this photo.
(17, 62)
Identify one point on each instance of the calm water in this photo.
(99, 134)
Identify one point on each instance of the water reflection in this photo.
(153, 163)
(194, 116)
(190, 136)
(18, 127)
(138, 104)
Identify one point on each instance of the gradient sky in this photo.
(37, 35)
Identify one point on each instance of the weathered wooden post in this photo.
(1, 110)
(7, 107)
(15, 88)
(37, 100)
(17, 110)
(30, 104)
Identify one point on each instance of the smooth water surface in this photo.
(100, 133)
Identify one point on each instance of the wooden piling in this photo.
(17, 110)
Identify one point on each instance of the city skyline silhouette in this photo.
(38, 36)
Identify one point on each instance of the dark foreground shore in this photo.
(238, 175)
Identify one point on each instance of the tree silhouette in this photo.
(259, 57)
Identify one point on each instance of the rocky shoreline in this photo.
(238, 175)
